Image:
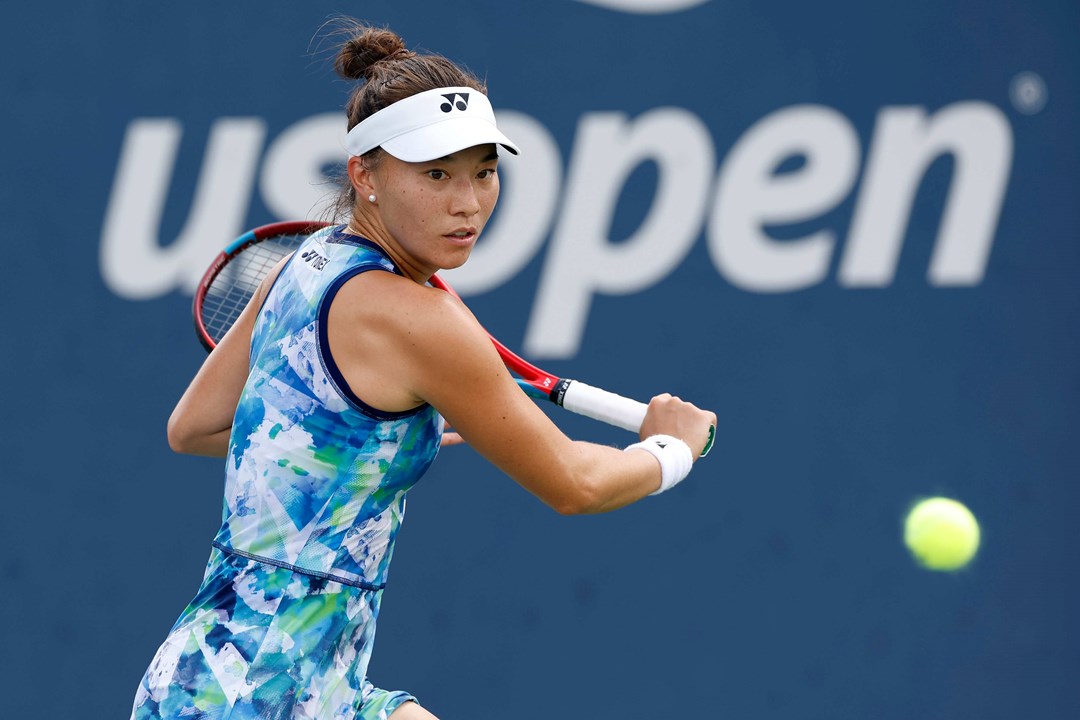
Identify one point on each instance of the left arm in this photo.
(202, 421)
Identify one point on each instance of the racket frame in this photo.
(237, 246)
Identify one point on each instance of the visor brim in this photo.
(438, 140)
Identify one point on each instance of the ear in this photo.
(361, 177)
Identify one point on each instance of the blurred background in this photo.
(850, 228)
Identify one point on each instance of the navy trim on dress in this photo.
(322, 324)
(339, 237)
(302, 571)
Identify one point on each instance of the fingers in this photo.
(452, 438)
(670, 415)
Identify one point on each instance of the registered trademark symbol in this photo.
(1028, 94)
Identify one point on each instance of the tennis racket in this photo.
(236, 273)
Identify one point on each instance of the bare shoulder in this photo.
(403, 343)
(402, 306)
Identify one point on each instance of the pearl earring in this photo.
(371, 198)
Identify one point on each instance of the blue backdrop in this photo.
(850, 228)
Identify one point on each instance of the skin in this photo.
(400, 344)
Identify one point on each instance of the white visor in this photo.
(429, 125)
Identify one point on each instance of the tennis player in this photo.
(327, 400)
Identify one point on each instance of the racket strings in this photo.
(236, 282)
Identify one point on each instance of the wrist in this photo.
(675, 458)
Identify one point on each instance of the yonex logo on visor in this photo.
(429, 125)
(450, 104)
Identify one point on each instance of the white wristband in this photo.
(674, 455)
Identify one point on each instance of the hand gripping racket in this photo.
(236, 273)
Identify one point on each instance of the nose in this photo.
(464, 200)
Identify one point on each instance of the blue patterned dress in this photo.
(284, 622)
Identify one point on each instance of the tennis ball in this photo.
(941, 533)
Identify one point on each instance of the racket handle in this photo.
(608, 407)
(600, 405)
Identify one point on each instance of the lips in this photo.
(461, 236)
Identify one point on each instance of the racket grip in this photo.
(601, 405)
(608, 407)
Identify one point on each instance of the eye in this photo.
(486, 173)
(436, 174)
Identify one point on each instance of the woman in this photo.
(328, 396)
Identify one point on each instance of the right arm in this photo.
(432, 349)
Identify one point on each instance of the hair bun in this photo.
(366, 48)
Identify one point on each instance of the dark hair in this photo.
(389, 72)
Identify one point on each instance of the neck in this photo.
(370, 227)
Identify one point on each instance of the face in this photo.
(433, 212)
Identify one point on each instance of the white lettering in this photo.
(646, 7)
(293, 180)
(581, 259)
(905, 144)
(134, 264)
(758, 190)
(750, 195)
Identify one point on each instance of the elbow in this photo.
(570, 508)
(580, 498)
(180, 437)
(177, 439)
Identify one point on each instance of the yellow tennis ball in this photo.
(941, 533)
